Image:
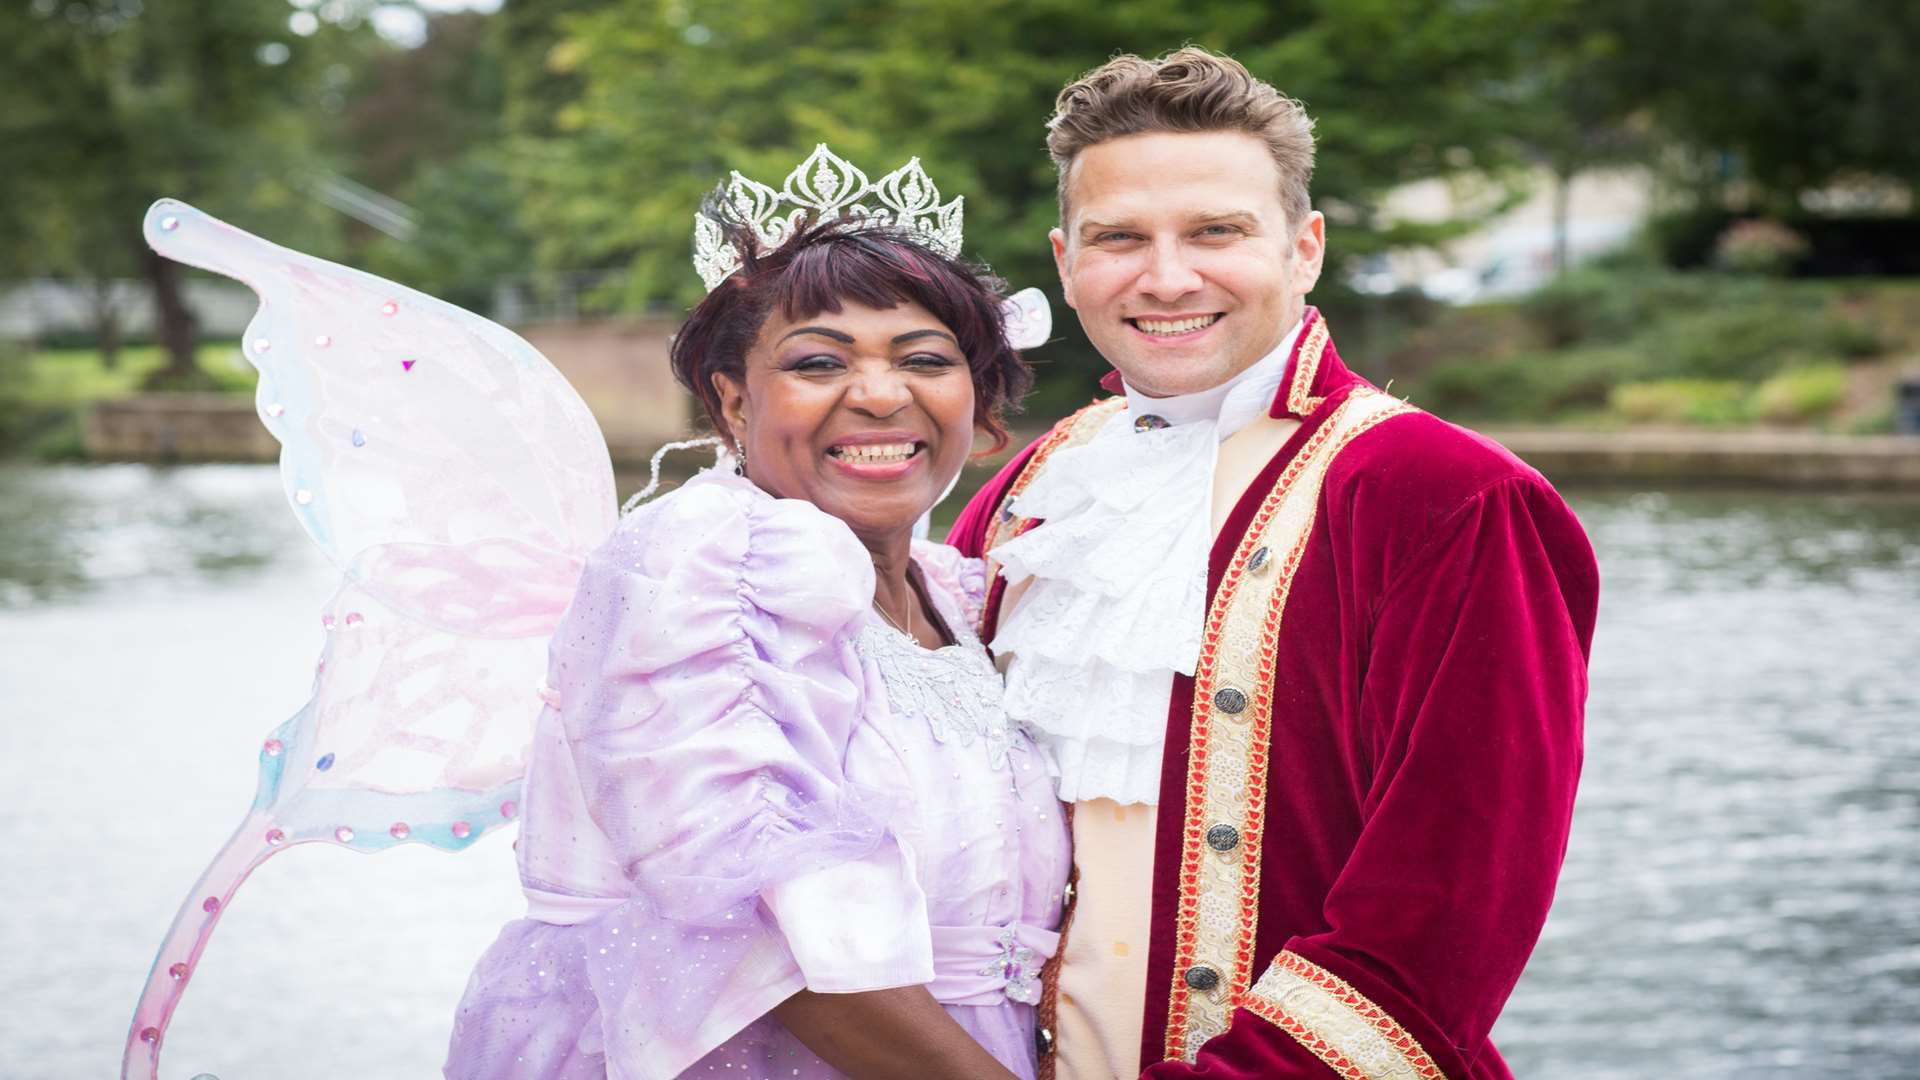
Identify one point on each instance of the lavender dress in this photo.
(745, 784)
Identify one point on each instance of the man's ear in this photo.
(1059, 241)
(1310, 249)
(733, 407)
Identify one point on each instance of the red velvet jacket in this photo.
(1427, 701)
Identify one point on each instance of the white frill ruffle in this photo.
(1116, 602)
(1117, 584)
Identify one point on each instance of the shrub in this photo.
(1612, 305)
(1854, 340)
(1754, 340)
(1681, 401)
(1800, 394)
(1640, 326)
(1583, 304)
(1529, 386)
(1758, 246)
(1685, 238)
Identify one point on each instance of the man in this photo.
(1309, 664)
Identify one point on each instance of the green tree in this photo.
(672, 93)
(427, 125)
(408, 109)
(467, 236)
(1574, 108)
(112, 103)
(1784, 95)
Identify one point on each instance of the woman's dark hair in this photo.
(823, 266)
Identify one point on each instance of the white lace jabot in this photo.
(1119, 569)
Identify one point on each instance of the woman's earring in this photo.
(739, 461)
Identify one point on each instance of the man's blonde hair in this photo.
(1187, 90)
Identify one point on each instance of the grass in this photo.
(44, 394)
(73, 377)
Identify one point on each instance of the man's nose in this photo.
(878, 391)
(1168, 275)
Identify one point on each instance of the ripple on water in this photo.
(1740, 893)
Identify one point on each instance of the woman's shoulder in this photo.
(718, 529)
(960, 580)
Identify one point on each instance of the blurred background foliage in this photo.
(559, 146)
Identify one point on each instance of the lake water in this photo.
(1742, 897)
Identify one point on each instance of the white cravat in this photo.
(1119, 581)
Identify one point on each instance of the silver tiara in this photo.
(825, 187)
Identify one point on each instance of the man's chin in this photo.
(1172, 376)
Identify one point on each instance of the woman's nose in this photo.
(879, 392)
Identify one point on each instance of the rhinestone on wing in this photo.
(826, 187)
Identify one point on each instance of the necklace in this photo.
(907, 629)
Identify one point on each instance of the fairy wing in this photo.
(459, 482)
(413, 433)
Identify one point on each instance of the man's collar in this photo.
(1312, 371)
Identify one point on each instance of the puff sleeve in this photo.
(708, 685)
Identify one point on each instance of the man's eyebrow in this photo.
(1091, 228)
(915, 335)
(1227, 217)
(844, 339)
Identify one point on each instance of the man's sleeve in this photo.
(1472, 709)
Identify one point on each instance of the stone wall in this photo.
(178, 427)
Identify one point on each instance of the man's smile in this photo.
(1174, 326)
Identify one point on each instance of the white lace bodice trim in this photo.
(956, 690)
(1118, 570)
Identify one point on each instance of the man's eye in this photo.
(1114, 237)
(1220, 230)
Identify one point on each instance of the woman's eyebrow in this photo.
(844, 339)
(915, 335)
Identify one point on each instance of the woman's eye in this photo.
(930, 360)
(816, 363)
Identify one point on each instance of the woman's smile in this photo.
(878, 455)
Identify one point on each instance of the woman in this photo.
(775, 822)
